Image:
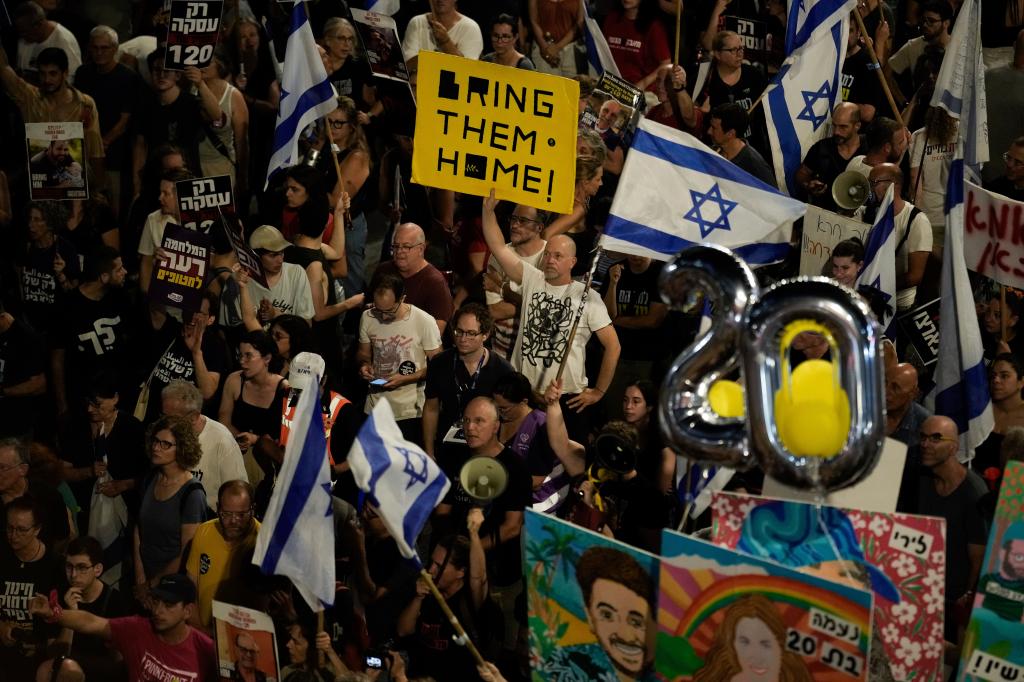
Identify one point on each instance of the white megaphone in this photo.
(850, 190)
(483, 478)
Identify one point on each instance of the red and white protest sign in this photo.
(994, 235)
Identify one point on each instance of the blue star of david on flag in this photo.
(811, 99)
(695, 214)
(415, 475)
(877, 284)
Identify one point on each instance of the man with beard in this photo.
(936, 21)
(161, 647)
(828, 157)
(55, 166)
(222, 547)
(1003, 592)
(619, 599)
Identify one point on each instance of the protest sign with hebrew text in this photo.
(192, 33)
(994, 235)
(178, 279)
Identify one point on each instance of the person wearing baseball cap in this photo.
(164, 643)
(289, 291)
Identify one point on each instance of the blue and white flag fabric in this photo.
(808, 18)
(599, 55)
(400, 480)
(388, 7)
(676, 192)
(799, 101)
(879, 270)
(299, 523)
(306, 94)
(960, 86)
(961, 379)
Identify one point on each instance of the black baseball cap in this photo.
(174, 588)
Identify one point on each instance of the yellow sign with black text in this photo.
(481, 125)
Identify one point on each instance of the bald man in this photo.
(903, 414)
(951, 491)
(913, 231)
(551, 303)
(828, 157)
(248, 658)
(425, 286)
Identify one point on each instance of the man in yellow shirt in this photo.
(221, 548)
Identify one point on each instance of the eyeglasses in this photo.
(928, 21)
(1011, 160)
(9, 467)
(20, 530)
(399, 248)
(336, 124)
(879, 181)
(232, 515)
(501, 36)
(733, 50)
(386, 315)
(935, 438)
(247, 652)
(460, 333)
(77, 568)
(161, 444)
(522, 220)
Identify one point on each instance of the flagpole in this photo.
(1002, 312)
(870, 45)
(579, 313)
(679, 14)
(463, 638)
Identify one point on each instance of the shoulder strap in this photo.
(914, 212)
(190, 488)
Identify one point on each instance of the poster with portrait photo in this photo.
(56, 161)
(246, 644)
(378, 34)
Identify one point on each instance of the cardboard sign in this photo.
(379, 35)
(994, 235)
(901, 556)
(246, 643)
(201, 202)
(563, 637)
(994, 641)
(481, 126)
(178, 280)
(920, 328)
(822, 231)
(712, 599)
(56, 161)
(192, 33)
(247, 258)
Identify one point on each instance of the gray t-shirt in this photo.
(160, 523)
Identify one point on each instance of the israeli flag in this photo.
(808, 18)
(599, 55)
(401, 481)
(299, 523)
(960, 86)
(388, 7)
(676, 192)
(879, 270)
(800, 100)
(306, 94)
(961, 379)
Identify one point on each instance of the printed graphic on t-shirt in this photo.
(546, 331)
(38, 286)
(100, 339)
(14, 600)
(390, 352)
(153, 670)
(172, 366)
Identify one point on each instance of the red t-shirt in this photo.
(636, 54)
(149, 659)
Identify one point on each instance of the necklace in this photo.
(40, 549)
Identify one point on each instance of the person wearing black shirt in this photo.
(95, 329)
(22, 375)
(860, 83)
(457, 375)
(828, 157)
(727, 130)
(1011, 184)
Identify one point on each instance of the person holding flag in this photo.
(879, 268)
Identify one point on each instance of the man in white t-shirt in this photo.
(36, 33)
(913, 233)
(289, 292)
(156, 222)
(396, 339)
(551, 303)
(444, 30)
(502, 294)
(936, 23)
(222, 459)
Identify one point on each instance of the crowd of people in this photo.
(140, 444)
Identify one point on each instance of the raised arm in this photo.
(505, 256)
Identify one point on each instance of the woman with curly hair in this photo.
(750, 645)
(173, 503)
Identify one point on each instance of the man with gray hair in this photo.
(116, 89)
(222, 459)
(14, 483)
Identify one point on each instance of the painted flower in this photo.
(933, 579)
(722, 505)
(879, 525)
(891, 634)
(858, 521)
(734, 521)
(904, 565)
(904, 613)
(909, 651)
(939, 558)
(933, 647)
(933, 601)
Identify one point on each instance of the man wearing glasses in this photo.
(936, 20)
(425, 286)
(1011, 184)
(951, 491)
(221, 547)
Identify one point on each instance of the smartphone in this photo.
(378, 382)
(374, 662)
